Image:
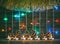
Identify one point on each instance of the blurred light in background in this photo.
(3, 30)
(17, 16)
(56, 7)
(9, 28)
(56, 32)
(5, 19)
(22, 14)
(57, 20)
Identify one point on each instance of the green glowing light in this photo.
(5, 19)
(37, 30)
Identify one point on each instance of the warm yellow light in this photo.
(23, 25)
(3, 30)
(31, 23)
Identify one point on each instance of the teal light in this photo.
(37, 30)
(5, 19)
(16, 16)
(22, 14)
(28, 11)
(38, 33)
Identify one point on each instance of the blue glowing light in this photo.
(49, 28)
(19, 15)
(56, 7)
(56, 32)
(16, 16)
